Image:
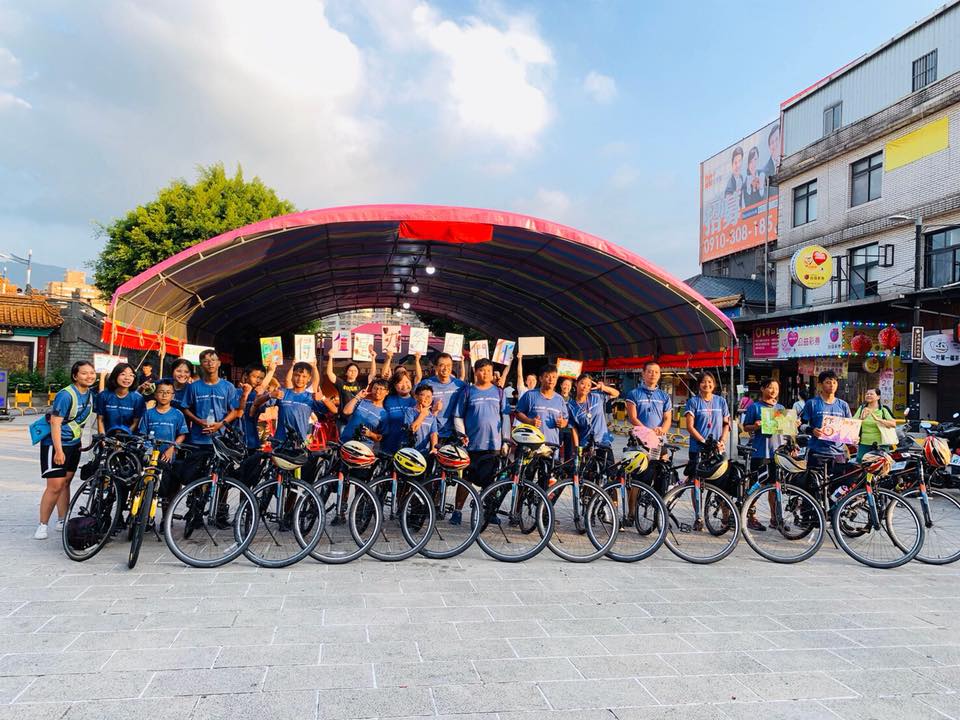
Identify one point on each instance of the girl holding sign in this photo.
(762, 451)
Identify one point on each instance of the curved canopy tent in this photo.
(501, 273)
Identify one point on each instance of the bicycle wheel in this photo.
(690, 537)
(584, 527)
(289, 526)
(642, 526)
(91, 516)
(941, 536)
(408, 519)
(516, 521)
(451, 538)
(142, 505)
(894, 539)
(198, 525)
(351, 520)
(785, 530)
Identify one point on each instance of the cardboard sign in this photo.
(567, 368)
(503, 351)
(341, 346)
(305, 348)
(529, 346)
(362, 345)
(778, 422)
(840, 430)
(104, 363)
(453, 345)
(271, 348)
(192, 352)
(479, 350)
(419, 340)
(390, 338)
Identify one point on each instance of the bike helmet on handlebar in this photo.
(712, 467)
(635, 463)
(937, 451)
(877, 463)
(453, 457)
(529, 435)
(357, 454)
(788, 463)
(289, 459)
(410, 462)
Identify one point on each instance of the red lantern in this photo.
(889, 337)
(861, 344)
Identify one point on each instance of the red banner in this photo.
(450, 232)
(766, 339)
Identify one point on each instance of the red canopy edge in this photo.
(720, 358)
(451, 232)
(136, 339)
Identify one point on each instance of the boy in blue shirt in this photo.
(368, 418)
(165, 422)
(824, 403)
(544, 407)
(296, 402)
(445, 387)
(420, 421)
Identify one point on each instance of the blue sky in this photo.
(591, 113)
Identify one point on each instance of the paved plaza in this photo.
(470, 638)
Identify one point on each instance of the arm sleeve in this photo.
(61, 404)
(523, 404)
(752, 414)
(806, 415)
(690, 408)
(631, 398)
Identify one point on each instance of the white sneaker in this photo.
(41, 533)
(59, 525)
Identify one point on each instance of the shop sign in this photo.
(810, 341)
(811, 367)
(916, 343)
(886, 387)
(811, 266)
(941, 349)
(766, 340)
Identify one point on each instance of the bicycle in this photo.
(641, 512)
(447, 490)
(143, 500)
(95, 508)
(407, 510)
(204, 505)
(517, 516)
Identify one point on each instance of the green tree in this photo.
(180, 216)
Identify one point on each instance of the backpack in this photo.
(40, 428)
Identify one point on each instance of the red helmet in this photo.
(877, 462)
(357, 454)
(453, 457)
(937, 451)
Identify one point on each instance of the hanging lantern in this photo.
(889, 337)
(861, 344)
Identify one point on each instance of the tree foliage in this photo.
(180, 216)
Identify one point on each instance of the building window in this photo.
(805, 203)
(723, 267)
(943, 257)
(831, 118)
(798, 295)
(863, 271)
(866, 178)
(925, 70)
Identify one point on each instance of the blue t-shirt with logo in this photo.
(163, 425)
(590, 420)
(61, 407)
(293, 413)
(249, 425)
(759, 441)
(813, 413)
(117, 412)
(396, 408)
(365, 414)
(445, 393)
(708, 416)
(533, 404)
(202, 398)
(421, 438)
(482, 415)
(653, 405)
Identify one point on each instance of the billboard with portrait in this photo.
(736, 212)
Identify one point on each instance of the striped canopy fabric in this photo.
(504, 274)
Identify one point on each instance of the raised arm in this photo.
(288, 380)
(417, 370)
(315, 376)
(386, 365)
(271, 371)
(373, 366)
(331, 376)
(520, 373)
(503, 377)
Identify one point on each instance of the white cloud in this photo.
(624, 176)
(602, 88)
(10, 68)
(550, 204)
(10, 101)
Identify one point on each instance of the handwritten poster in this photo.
(778, 422)
(453, 345)
(479, 350)
(362, 346)
(530, 346)
(103, 363)
(192, 352)
(840, 430)
(569, 368)
(390, 338)
(271, 348)
(503, 351)
(305, 348)
(419, 340)
(341, 346)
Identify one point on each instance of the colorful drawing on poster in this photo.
(503, 351)
(341, 346)
(453, 345)
(419, 341)
(840, 430)
(104, 363)
(530, 346)
(569, 368)
(390, 339)
(479, 350)
(192, 352)
(778, 422)
(363, 347)
(305, 348)
(271, 349)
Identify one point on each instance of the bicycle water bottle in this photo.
(839, 493)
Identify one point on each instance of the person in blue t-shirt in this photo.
(119, 407)
(445, 387)
(824, 403)
(707, 416)
(647, 404)
(588, 416)
(762, 449)
(60, 450)
(165, 422)
(254, 383)
(420, 422)
(367, 418)
(396, 405)
(296, 402)
(181, 374)
(544, 407)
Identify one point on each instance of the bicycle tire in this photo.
(653, 517)
(446, 541)
(596, 511)
(95, 498)
(306, 502)
(529, 501)
(235, 549)
(340, 551)
(887, 502)
(712, 496)
(413, 505)
(140, 525)
(929, 553)
(810, 518)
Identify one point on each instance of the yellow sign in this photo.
(930, 138)
(811, 266)
(871, 365)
